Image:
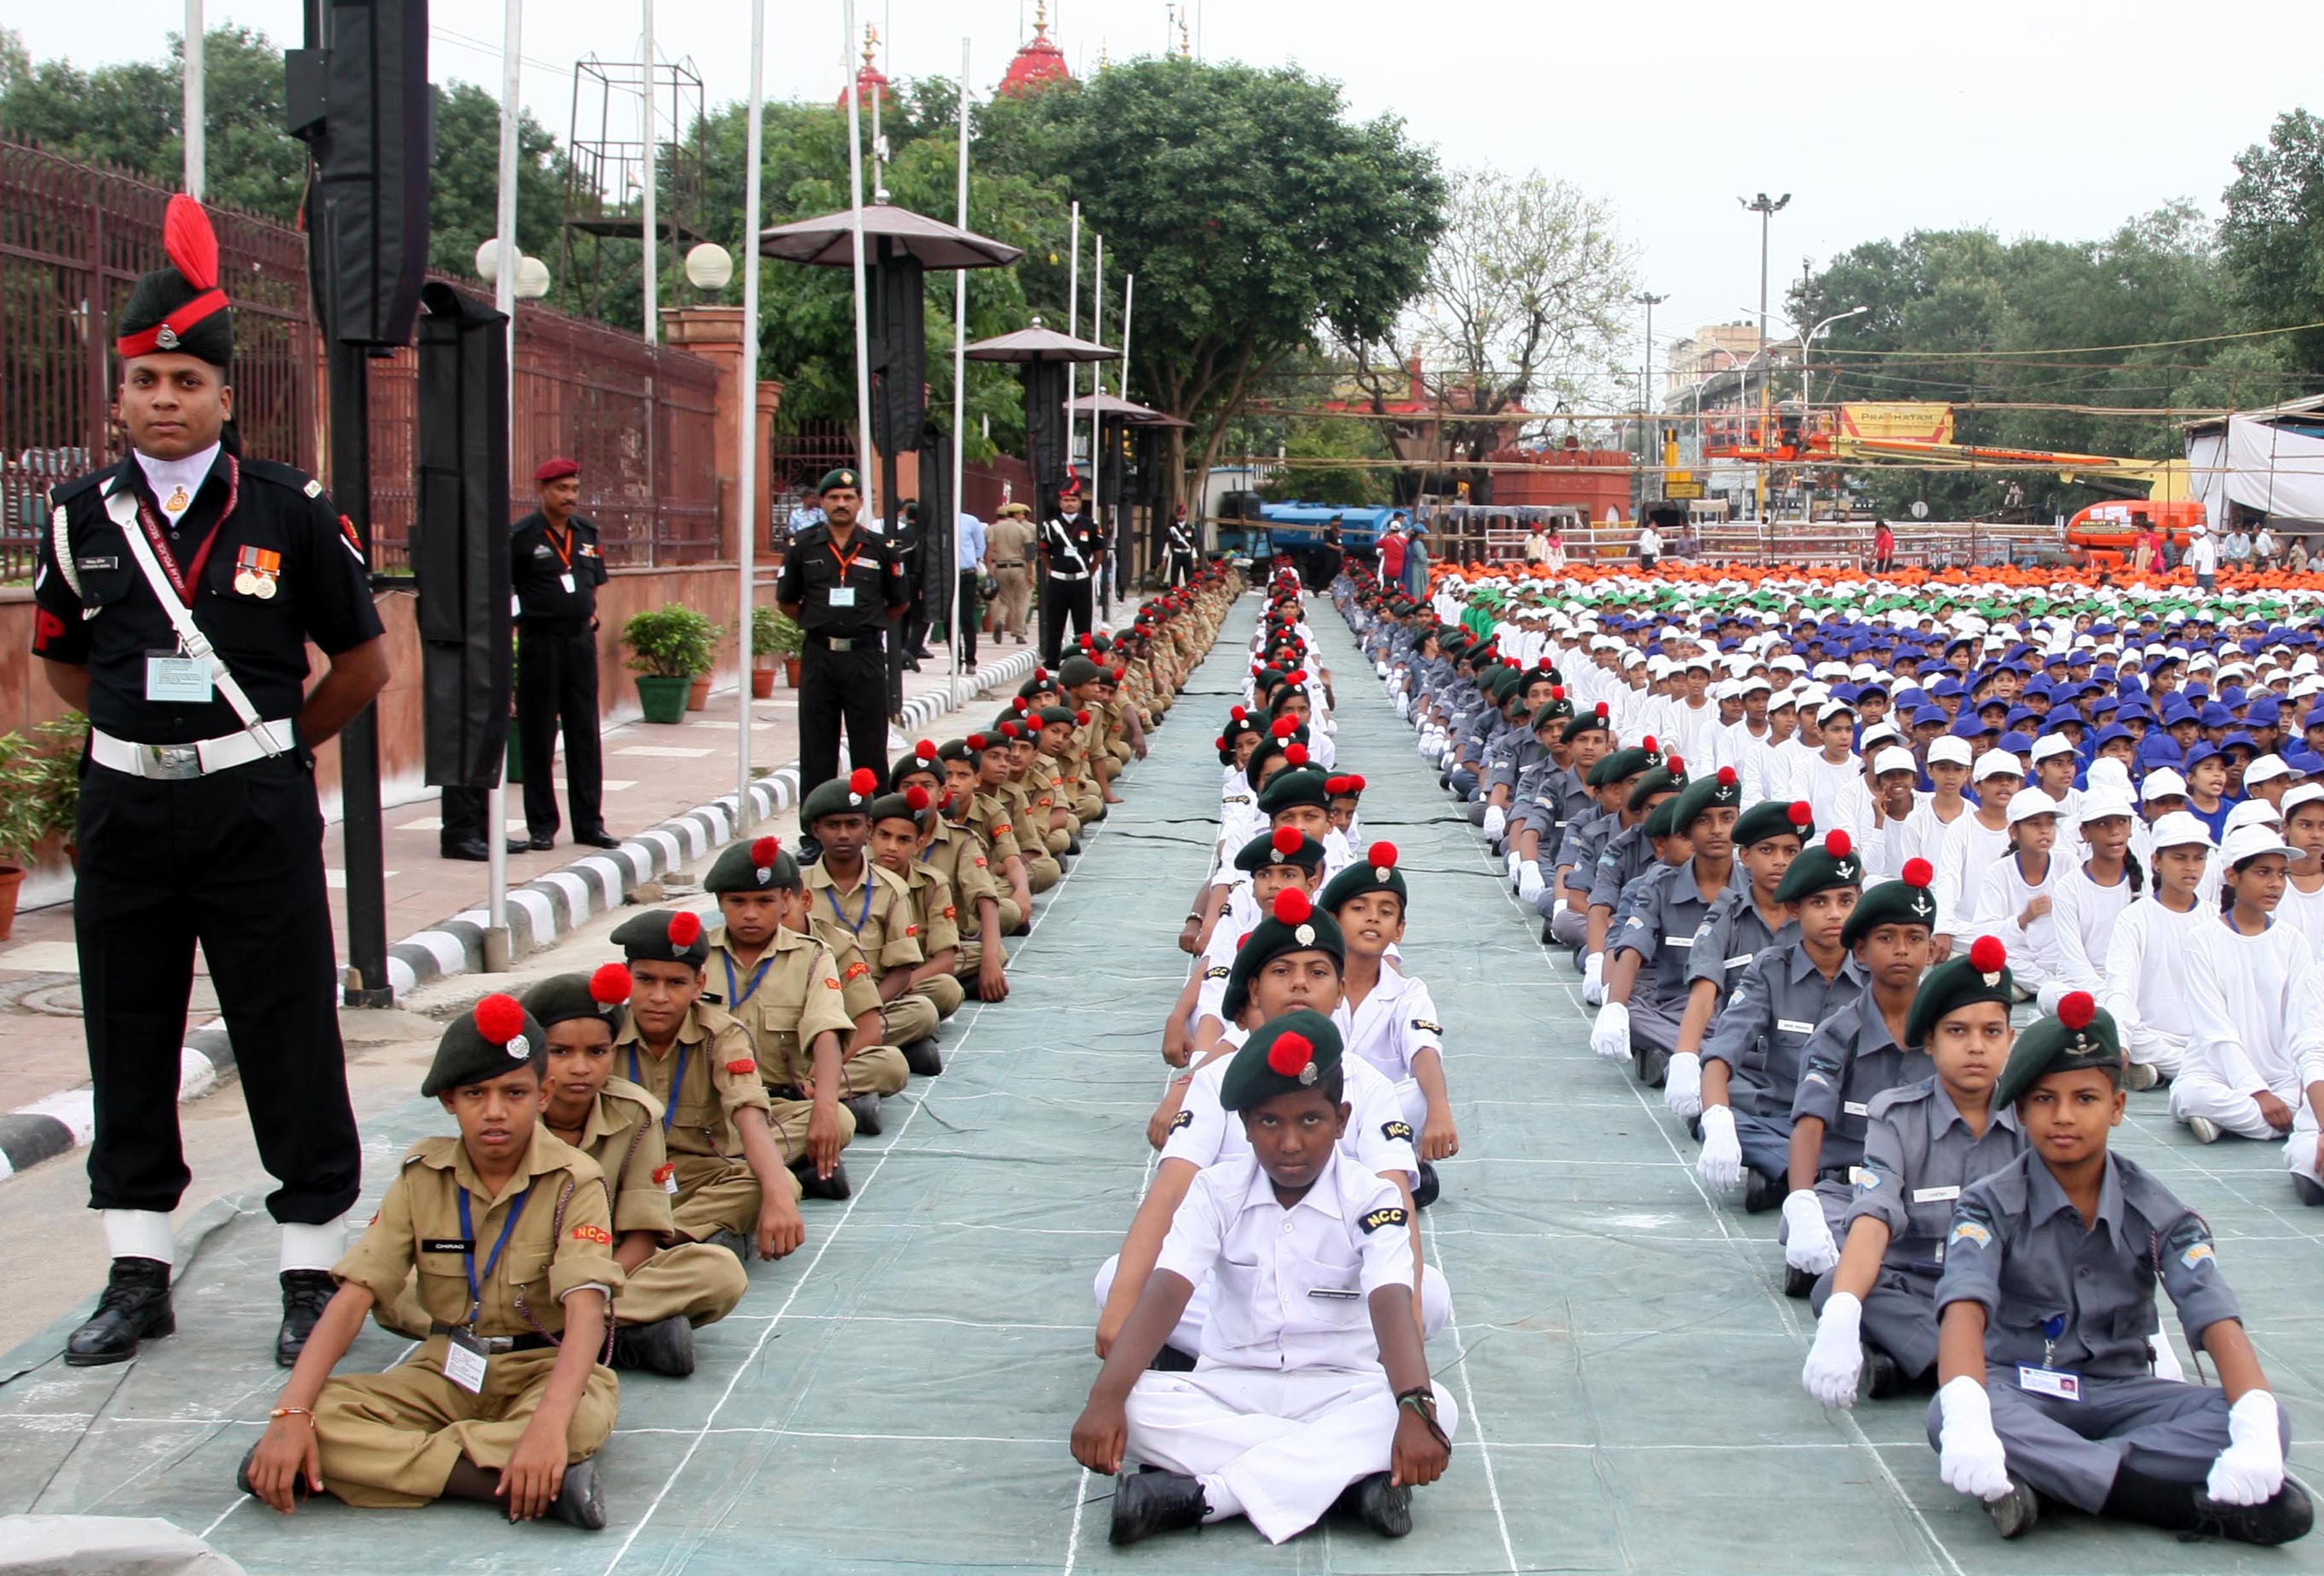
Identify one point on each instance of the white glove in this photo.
(1497, 821)
(1558, 907)
(1682, 1086)
(1721, 1163)
(1593, 978)
(1611, 1037)
(1403, 707)
(1380, 669)
(1807, 1239)
(1969, 1457)
(2250, 1471)
(1529, 882)
(1513, 862)
(1837, 1359)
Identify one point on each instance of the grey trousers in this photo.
(1900, 1317)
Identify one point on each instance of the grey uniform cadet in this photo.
(1664, 916)
(1849, 1061)
(2058, 1296)
(1584, 839)
(1734, 933)
(1762, 1035)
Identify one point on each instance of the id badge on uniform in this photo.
(170, 675)
(2055, 1383)
(841, 596)
(566, 581)
(464, 1361)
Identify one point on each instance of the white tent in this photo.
(2271, 461)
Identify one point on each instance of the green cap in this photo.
(1903, 901)
(1833, 862)
(912, 805)
(1721, 791)
(561, 997)
(1774, 818)
(1658, 780)
(1075, 671)
(1662, 821)
(2080, 1034)
(1301, 784)
(1983, 975)
(1627, 762)
(663, 936)
(1294, 925)
(1284, 1056)
(922, 759)
(1284, 845)
(1376, 872)
(1550, 713)
(1580, 723)
(759, 865)
(845, 476)
(841, 795)
(497, 1036)
(1065, 715)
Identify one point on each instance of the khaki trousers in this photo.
(1015, 601)
(942, 992)
(873, 1070)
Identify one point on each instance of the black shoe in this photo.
(541, 842)
(1797, 1283)
(1761, 1192)
(2015, 1513)
(1145, 1503)
(600, 838)
(1425, 1190)
(911, 664)
(299, 1488)
(1073, 845)
(733, 1241)
(834, 1186)
(2279, 1520)
(2306, 1190)
(865, 1110)
(579, 1501)
(665, 1346)
(475, 849)
(1170, 1360)
(924, 1058)
(135, 1307)
(1547, 939)
(305, 1294)
(1384, 1506)
(1880, 1377)
(1652, 1064)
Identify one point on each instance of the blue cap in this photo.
(2265, 711)
(2215, 715)
(1967, 726)
(2203, 751)
(2108, 736)
(2238, 740)
(2306, 763)
(2015, 744)
(1923, 715)
(1946, 689)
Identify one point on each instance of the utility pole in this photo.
(1766, 207)
(1649, 300)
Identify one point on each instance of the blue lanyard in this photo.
(678, 1079)
(468, 1253)
(831, 895)
(735, 997)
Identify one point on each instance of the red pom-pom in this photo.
(1283, 727)
(1119, 674)
(1296, 675)
(1675, 766)
(609, 984)
(1602, 712)
(1801, 814)
(974, 742)
(1381, 855)
(1355, 783)
(1022, 704)
(2076, 1008)
(764, 851)
(1289, 1054)
(1040, 676)
(1288, 839)
(1218, 744)
(925, 749)
(916, 798)
(863, 780)
(1012, 731)
(1333, 787)
(1296, 752)
(1292, 906)
(1648, 744)
(499, 1018)
(1237, 712)
(190, 243)
(685, 928)
(1557, 692)
(1080, 719)
(1836, 843)
(1918, 872)
(1986, 956)
(1727, 778)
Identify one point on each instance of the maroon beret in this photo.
(556, 470)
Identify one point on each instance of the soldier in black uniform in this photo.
(1179, 557)
(199, 823)
(555, 568)
(844, 587)
(1074, 554)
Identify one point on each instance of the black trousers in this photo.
(557, 685)
(836, 687)
(234, 862)
(969, 613)
(1063, 600)
(1181, 568)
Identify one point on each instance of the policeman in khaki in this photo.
(510, 1233)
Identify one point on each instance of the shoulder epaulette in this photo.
(64, 492)
(282, 475)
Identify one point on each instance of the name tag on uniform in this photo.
(2054, 1383)
(170, 676)
(566, 581)
(1678, 940)
(841, 596)
(1330, 1294)
(1738, 961)
(446, 1245)
(1793, 1025)
(1853, 1108)
(464, 1363)
(1935, 1196)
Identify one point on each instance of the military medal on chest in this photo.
(256, 571)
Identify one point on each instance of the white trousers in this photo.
(1435, 1305)
(2196, 1091)
(2300, 1153)
(1283, 1444)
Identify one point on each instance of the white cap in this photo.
(1875, 737)
(2180, 828)
(1661, 667)
(2307, 793)
(1703, 660)
(2252, 842)
(1894, 760)
(1833, 708)
(2105, 802)
(2050, 744)
(2161, 783)
(2109, 774)
(2253, 813)
(1750, 682)
(2032, 801)
(1782, 700)
(2266, 769)
(1997, 763)
(1949, 747)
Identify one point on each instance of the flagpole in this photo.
(746, 467)
(959, 394)
(871, 509)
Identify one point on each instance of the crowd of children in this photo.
(1806, 857)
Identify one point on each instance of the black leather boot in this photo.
(305, 1294)
(924, 1058)
(1379, 1504)
(135, 1307)
(665, 1346)
(579, 1501)
(833, 1186)
(865, 1109)
(1145, 1503)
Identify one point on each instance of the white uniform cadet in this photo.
(1288, 1404)
(2240, 991)
(1388, 1029)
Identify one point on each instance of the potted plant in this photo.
(56, 774)
(24, 820)
(669, 647)
(773, 636)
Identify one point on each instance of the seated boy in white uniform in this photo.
(1385, 1017)
(1312, 1392)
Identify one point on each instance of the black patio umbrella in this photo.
(1044, 353)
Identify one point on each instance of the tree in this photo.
(2273, 236)
(465, 179)
(1315, 451)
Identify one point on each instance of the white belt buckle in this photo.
(169, 762)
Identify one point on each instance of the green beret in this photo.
(1375, 871)
(1550, 713)
(1076, 671)
(1627, 762)
(1301, 784)
(912, 805)
(840, 796)
(1720, 791)
(1774, 818)
(661, 935)
(497, 1037)
(923, 758)
(1065, 715)
(1982, 976)
(1662, 821)
(2081, 1034)
(759, 865)
(1833, 862)
(1014, 719)
(1658, 780)
(1283, 1056)
(1582, 722)
(1294, 925)
(1281, 846)
(845, 476)
(561, 997)
(965, 750)
(1905, 901)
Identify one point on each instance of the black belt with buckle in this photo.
(843, 642)
(494, 1345)
(1014, 564)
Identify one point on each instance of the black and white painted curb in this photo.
(48, 1127)
(542, 909)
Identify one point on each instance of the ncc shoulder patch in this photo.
(1185, 1118)
(1968, 1231)
(1424, 1027)
(1396, 1130)
(1217, 972)
(857, 969)
(1392, 1215)
(597, 1234)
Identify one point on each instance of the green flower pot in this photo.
(663, 698)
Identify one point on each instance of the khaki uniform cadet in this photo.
(933, 908)
(991, 821)
(709, 1071)
(1008, 553)
(949, 853)
(1027, 798)
(1042, 783)
(2067, 1404)
(874, 912)
(392, 1440)
(1075, 790)
(790, 994)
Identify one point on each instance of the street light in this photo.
(1766, 207)
(1649, 300)
(1807, 493)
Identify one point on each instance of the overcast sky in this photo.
(2041, 117)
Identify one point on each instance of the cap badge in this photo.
(1308, 1074)
(166, 338)
(1306, 935)
(519, 1048)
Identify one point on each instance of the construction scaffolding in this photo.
(632, 123)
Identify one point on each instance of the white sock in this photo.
(1219, 1500)
(314, 1247)
(140, 1234)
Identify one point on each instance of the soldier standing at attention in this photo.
(555, 568)
(176, 594)
(844, 588)
(1075, 554)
